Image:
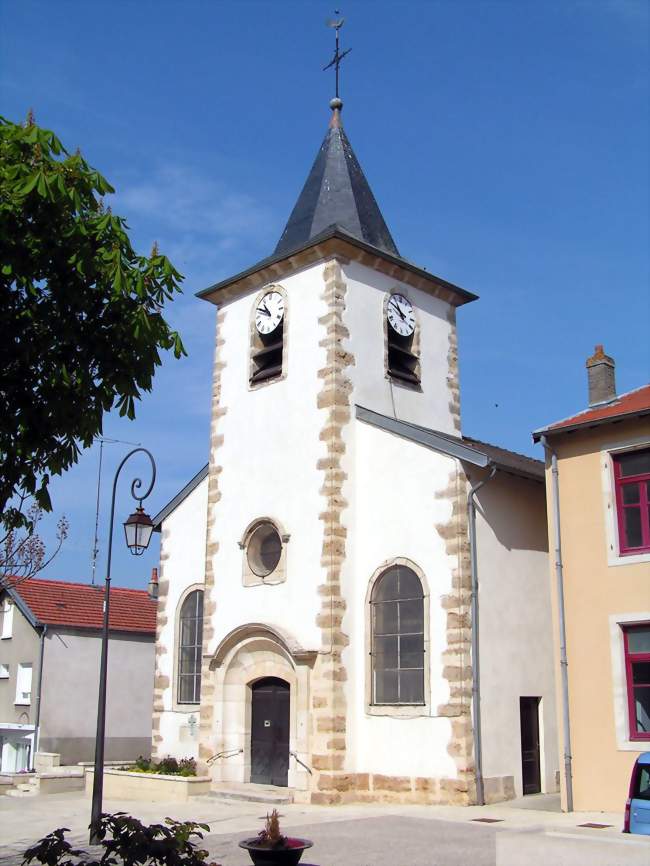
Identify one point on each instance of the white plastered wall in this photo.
(516, 644)
(183, 557)
(269, 461)
(393, 514)
(364, 317)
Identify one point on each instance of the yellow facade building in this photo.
(598, 489)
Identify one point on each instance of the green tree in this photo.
(80, 314)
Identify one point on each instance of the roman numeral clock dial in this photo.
(269, 312)
(401, 317)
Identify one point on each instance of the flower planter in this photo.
(151, 787)
(264, 856)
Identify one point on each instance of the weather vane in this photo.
(337, 23)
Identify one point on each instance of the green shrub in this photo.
(187, 767)
(168, 766)
(143, 764)
(127, 841)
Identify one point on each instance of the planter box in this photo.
(59, 782)
(154, 788)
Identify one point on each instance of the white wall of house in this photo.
(515, 624)
(393, 514)
(182, 550)
(70, 690)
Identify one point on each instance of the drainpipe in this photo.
(564, 665)
(37, 720)
(476, 670)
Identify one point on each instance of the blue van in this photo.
(637, 808)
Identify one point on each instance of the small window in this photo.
(264, 546)
(7, 619)
(24, 684)
(397, 623)
(632, 481)
(4, 671)
(190, 648)
(637, 669)
(264, 549)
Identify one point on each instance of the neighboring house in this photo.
(603, 477)
(314, 621)
(50, 641)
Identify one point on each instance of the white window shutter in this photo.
(7, 620)
(24, 683)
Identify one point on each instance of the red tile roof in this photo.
(632, 403)
(80, 605)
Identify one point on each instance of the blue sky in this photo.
(506, 143)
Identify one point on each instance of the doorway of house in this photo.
(270, 732)
(530, 763)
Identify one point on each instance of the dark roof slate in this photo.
(336, 193)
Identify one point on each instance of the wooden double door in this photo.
(270, 732)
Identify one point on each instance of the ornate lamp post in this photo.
(138, 528)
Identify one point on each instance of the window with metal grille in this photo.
(190, 648)
(397, 646)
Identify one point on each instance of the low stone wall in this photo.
(57, 783)
(123, 785)
(376, 788)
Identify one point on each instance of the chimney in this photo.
(601, 377)
(152, 589)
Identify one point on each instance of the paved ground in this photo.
(359, 835)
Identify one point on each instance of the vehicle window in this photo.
(642, 787)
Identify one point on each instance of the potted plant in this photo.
(271, 848)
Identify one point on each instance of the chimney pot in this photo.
(601, 378)
(152, 589)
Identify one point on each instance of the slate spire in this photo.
(336, 193)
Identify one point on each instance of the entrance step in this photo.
(251, 793)
(25, 790)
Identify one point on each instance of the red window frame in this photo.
(643, 505)
(630, 658)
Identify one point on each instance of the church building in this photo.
(317, 625)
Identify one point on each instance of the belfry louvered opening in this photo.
(403, 363)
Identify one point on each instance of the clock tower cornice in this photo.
(335, 243)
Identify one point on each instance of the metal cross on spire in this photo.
(337, 23)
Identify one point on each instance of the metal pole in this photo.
(564, 663)
(37, 720)
(98, 777)
(476, 666)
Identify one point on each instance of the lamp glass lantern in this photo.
(138, 529)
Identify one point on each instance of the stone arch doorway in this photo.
(270, 722)
(245, 656)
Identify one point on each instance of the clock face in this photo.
(400, 315)
(269, 312)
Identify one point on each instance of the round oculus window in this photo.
(264, 549)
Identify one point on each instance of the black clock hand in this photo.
(263, 310)
(395, 307)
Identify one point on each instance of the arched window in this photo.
(397, 650)
(190, 648)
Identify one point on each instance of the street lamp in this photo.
(138, 529)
